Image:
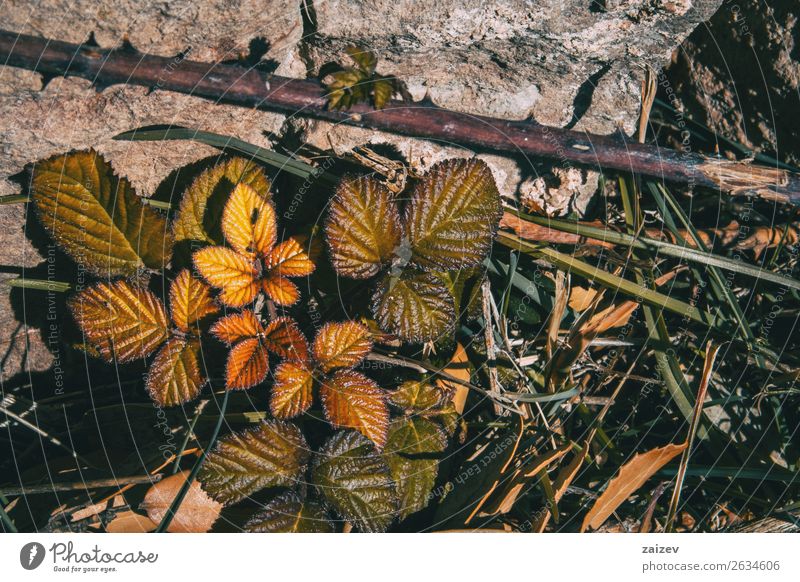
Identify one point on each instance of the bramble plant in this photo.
(420, 251)
(372, 468)
(361, 83)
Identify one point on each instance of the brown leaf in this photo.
(351, 400)
(630, 478)
(341, 345)
(197, 512)
(292, 391)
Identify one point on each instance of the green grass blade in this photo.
(223, 142)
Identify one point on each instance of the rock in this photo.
(561, 62)
(740, 76)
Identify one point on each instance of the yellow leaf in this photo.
(237, 326)
(230, 271)
(219, 181)
(363, 227)
(342, 345)
(292, 390)
(120, 321)
(281, 290)
(288, 259)
(382, 91)
(97, 217)
(174, 376)
(189, 300)
(197, 512)
(351, 400)
(631, 477)
(248, 222)
(247, 365)
(283, 337)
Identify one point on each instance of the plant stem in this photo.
(254, 88)
(176, 503)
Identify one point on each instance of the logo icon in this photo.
(31, 555)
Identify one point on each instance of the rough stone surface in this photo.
(740, 75)
(560, 62)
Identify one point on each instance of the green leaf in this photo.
(355, 481)
(363, 227)
(416, 395)
(415, 306)
(200, 211)
(288, 513)
(365, 59)
(382, 91)
(452, 216)
(414, 477)
(272, 455)
(96, 216)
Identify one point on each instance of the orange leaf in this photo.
(342, 345)
(121, 321)
(248, 222)
(189, 300)
(281, 290)
(197, 512)
(351, 400)
(288, 259)
(363, 227)
(247, 365)
(631, 477)
(174, 376)
(283, 337)
(229, 271)
(292, 391)
(237, 326)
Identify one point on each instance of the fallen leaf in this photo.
(458, 368)
(630, 478)
(197, 512)
(130, 522)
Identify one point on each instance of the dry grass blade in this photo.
(631, 477)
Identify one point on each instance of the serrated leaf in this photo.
(272, 455)
(351, 400)
(342, 345)
(96, 216)
(452, 216)
(382, 91)
(197, 512)
(189, 300)
(363, 227)
(355, 481)
(174, 376)
(288, 513)
(415, 306)
(247, 364)
(282, 336)
(237, 326)
(346, 88)
(292, 391)
(289, 259)
(365, 59)
(417, 395)
(248, 222)
(281, 290)
(213, 187)
(233, 273)
(414, 477)
(120, 321)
